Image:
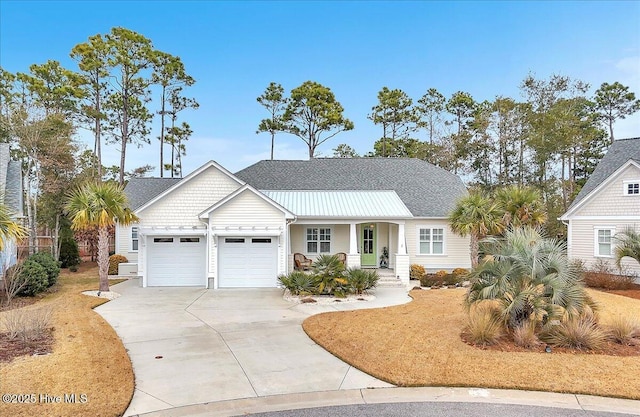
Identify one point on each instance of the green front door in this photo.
(368, 245)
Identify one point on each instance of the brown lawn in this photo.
(419, 344)
(87, 358)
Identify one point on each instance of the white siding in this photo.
(456, 248)
(339, 238)
(182, 206)
(123, 243)
(583, 241)
(611, 200)
(248, 210)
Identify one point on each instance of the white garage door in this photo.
(248, 261)
(176, 261)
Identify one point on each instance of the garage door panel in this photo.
(248, 262)
(176, 261)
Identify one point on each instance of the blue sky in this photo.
(234, 49)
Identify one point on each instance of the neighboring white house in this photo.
(607, 204)
(220, 230)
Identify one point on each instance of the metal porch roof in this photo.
(345, 204)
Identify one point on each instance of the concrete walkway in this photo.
(191, 346)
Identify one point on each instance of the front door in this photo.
(368, 245)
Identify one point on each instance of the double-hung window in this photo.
(318, 240)
(431, 241)
(604, 241)
(134, 238)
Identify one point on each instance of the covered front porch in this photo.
(363, 242)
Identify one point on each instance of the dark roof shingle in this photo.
(426, 190)
(140, 191)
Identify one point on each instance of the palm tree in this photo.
(476, 216)
(100, 205)
(531, 278)
(522, 206)
(627, 244)
(9, 229)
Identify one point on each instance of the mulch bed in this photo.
(10, 349)
(633, 292)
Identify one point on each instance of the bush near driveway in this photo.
(87, 358)
(419, 344)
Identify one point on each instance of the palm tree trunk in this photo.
(473, 250)
(103, 258)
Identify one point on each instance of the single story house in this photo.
(223, 230)
(608, 203)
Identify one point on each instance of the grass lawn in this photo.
(419, 344)
(87, 358)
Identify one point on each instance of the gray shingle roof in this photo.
(426, 190)
(139, 191)
(619, 153)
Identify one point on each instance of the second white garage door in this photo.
(247, 262)
(176, 261)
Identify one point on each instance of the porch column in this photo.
(402, 248)
(353, 257)
(402, 257)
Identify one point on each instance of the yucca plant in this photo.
(299, 283)
(627, 245)
(329, 272)
(531, 278)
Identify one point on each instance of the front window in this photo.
(604, 242)
(431, 241)
(318, 240)
(134, 238)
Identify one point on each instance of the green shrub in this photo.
(114, 261)
(69, 253)
(49, 264)
(361, 280)
(416, 271)
(73, 268)
(35, 276)
(299, 283)
(484, 327)
(429, 280)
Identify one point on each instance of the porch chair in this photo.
(301, 262)
(343, 257)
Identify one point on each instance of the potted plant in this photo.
(384, 258)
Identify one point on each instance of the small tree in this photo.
(100, 205)
(14, 281)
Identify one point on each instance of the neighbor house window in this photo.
(430, 241)
(134, 238)
(603, 242)
(318, 240)
(632, 187)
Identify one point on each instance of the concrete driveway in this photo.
(191, 346)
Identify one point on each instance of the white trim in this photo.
(364, 220)
(625, 188)
(170, 231)
(318, 226)
(596, 242)
(245, 233)
(569, 240)
(205, 213)
(431, 227)
(186, 180)
(622, 218)
(603, 184)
